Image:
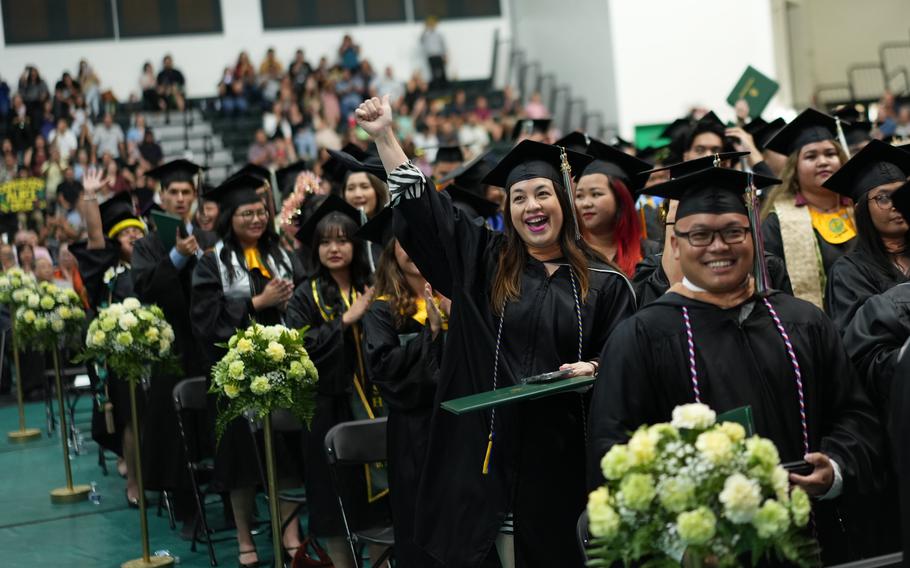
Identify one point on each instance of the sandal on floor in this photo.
(253, 564)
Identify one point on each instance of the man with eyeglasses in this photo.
(162, 276)
(715, 339)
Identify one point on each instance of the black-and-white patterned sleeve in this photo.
(406, 182)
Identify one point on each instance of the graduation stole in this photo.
(791, 353)
(804, 262)
(420, 316)
(363, 407)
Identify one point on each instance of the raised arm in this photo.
(375, 117)
(88, 207)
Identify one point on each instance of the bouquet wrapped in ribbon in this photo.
(129, 338)
(48, 315)
(699, 489)
(15, 285)
(266, 368)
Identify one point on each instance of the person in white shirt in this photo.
(108, 137)
(434, 47)
(64, 138)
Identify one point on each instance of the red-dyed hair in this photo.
(627, 230)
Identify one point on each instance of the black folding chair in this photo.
(282, 421)
(581, 532)
(191, 406)
(359, 442)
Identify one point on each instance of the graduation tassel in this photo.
(363, 221)
(762, 280)
(841, 137)
(567, 183)
(486, 457)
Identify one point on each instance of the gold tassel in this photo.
(486, 458)
(109, 417)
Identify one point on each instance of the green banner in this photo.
(22, 195)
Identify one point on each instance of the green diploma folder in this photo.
(516, 393)
(167, 226)
(756, 89)
(742, 416)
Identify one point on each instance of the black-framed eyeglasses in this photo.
(249, 214)
(704, 237)
(883, 200)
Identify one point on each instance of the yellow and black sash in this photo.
(367, 402)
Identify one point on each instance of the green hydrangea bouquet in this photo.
(129, 338)
(15, 285)
(266, 368)
(48, 315)
(697, 488)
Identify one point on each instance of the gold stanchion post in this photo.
(274, 509)
(23, 434)
(71, 493)
(147, 559)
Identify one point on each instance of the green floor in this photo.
(34, 532)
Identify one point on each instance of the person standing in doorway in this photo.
(434, 46)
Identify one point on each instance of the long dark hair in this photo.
(334, 225)
(268, 244)
(391, 283)
(869, 243)
(514, 254)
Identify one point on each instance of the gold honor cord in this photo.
(567, 183)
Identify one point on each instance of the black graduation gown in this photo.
(899, 430)
(215, 318)
(333, 351)
(93, 265)
(774, 243)
(537, 465)
(852, 280)
(157, 281)
(404, 362)
(650, 280)
(741, 360)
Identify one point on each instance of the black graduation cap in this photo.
(258, 172)
(850, 112)
(613, 162)
(379, 229)
(679, 128)
(449, 154)
(762, 131)
(710, 190)
(576, 141)
(333, 171)
(530, 125)
(331, 204)
(348, 164)
(117, 213)
(239, 189)
(471, 173)
(467, 185)
(620, 142)
(530, 159)
(810, 126)
(287, 176)
(858, 132)
(876, 164)
(145, 197)
(175, 170)
(901, 200)
(680, 169)
(710, 122)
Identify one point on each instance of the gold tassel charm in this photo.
(486, 458)
(109, 417)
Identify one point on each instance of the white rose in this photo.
(741, 498)
(127, 321)
(131, 304)
(694, 416)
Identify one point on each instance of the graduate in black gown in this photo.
(741, 357)
(880, 257)
(162, 276)
(878, 330)
(804, 223)
(246, 278)
(104, 264)
(529, 300)
(403, 337)
(331, 303)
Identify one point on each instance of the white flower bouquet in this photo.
(129, 337)
(698, 488)
(48, 314)
(266, 368)
(15, 285)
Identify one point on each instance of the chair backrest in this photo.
(357, 442)
(282, 421)
(190, 394)
(581, 531)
